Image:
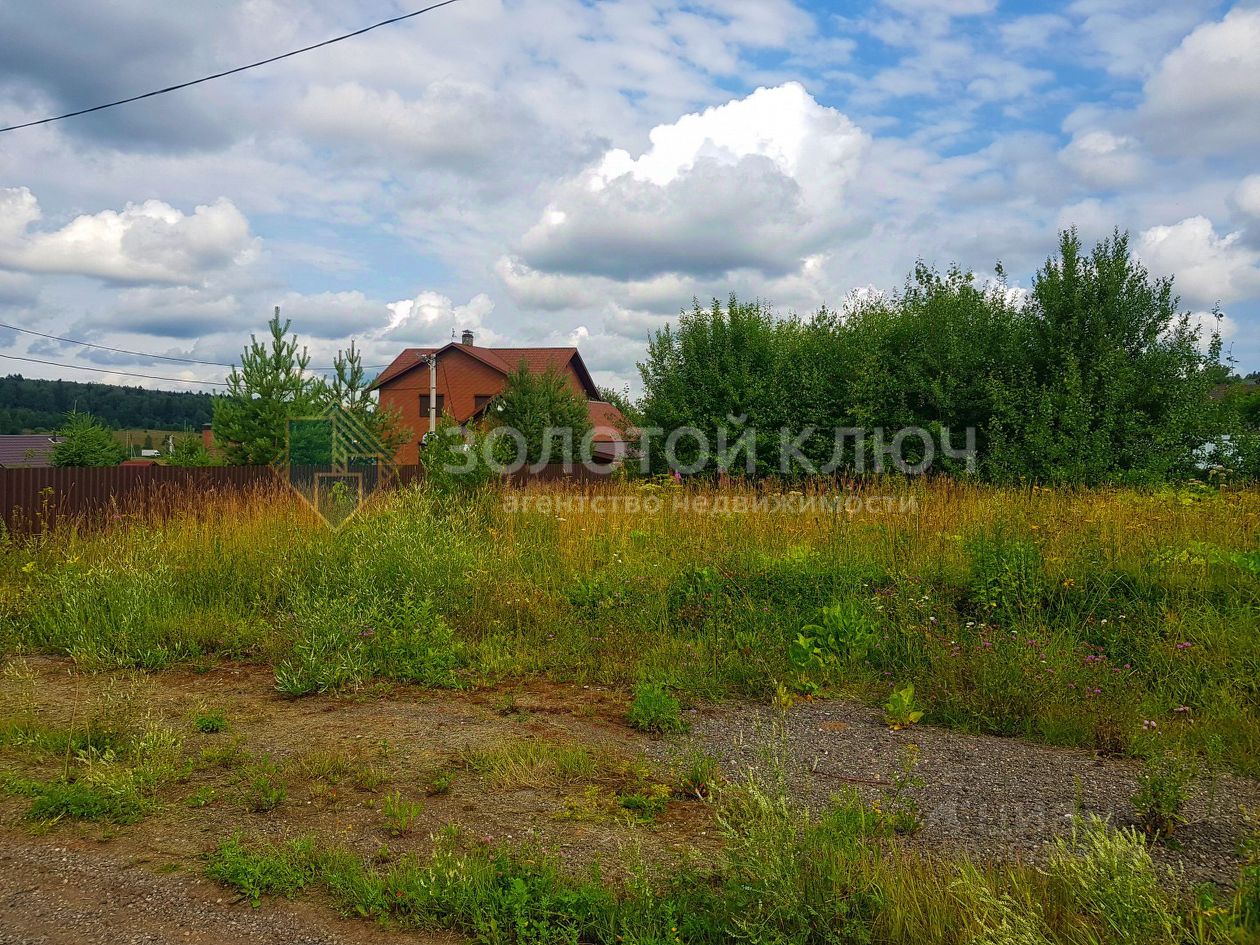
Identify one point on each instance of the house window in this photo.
(424, 404)
(481, 400)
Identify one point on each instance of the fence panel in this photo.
(32, 499)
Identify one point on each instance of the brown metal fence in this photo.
(38, 498)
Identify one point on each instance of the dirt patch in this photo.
(338, 756)
(51, 894)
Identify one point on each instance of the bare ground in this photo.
(991, 798)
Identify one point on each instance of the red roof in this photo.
(504, 360)
(607, 420)
(26, 450)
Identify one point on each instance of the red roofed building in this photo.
(469, 376)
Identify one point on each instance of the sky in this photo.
(553, 172)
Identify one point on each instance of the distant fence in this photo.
(37, 498)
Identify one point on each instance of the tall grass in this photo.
(1107, 617)
(782, 877)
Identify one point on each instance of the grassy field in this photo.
(1126, 622)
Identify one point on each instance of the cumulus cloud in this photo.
(1202, 98)
(1104, 159)
(433, 318)
(1247, 196)
(1209, 268)
(146, 242)
(756, 184)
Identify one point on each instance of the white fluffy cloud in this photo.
(1209, 268)
(433, 318)
(146, 242)
(757, 183)
(1202, 99)
(1247, 196)
(1104, 159)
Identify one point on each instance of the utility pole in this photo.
(431, 360)
(433, 392)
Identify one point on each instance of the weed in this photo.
(1163, 788)
(400, 814)
(844, 633)
(1108, 874)
(440, 783)
(897, 805)
(210, 721)
(899, 710)
(646, 802)
(335, 767)
(698, 775)
(262, 787)
(1247, 900)
(204, 796)
(653, 709)
(81, 800)
(281, 870)
(530, 762)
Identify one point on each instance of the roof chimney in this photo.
(468, 337)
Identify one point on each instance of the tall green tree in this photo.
(86, 442)
(1118, 383)
(534, 404)
(722, 368)
(1095, 376)
(267, 389)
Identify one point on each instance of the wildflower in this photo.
(1183, 709)
(1183, 645)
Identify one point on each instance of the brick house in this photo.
(469, 376)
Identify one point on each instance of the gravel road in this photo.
(991, 798)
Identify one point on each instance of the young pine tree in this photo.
(269, 388)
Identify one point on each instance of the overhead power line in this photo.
(149, 377)
(146, 354)
(220, 75)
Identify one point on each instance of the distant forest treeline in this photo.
(28, 405)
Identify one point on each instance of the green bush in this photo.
(653, 709)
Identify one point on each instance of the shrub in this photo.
(1163, 788)
(653, 709)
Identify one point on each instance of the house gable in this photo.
(467, 377)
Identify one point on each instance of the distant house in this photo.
(27, 450)
(468, 378)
